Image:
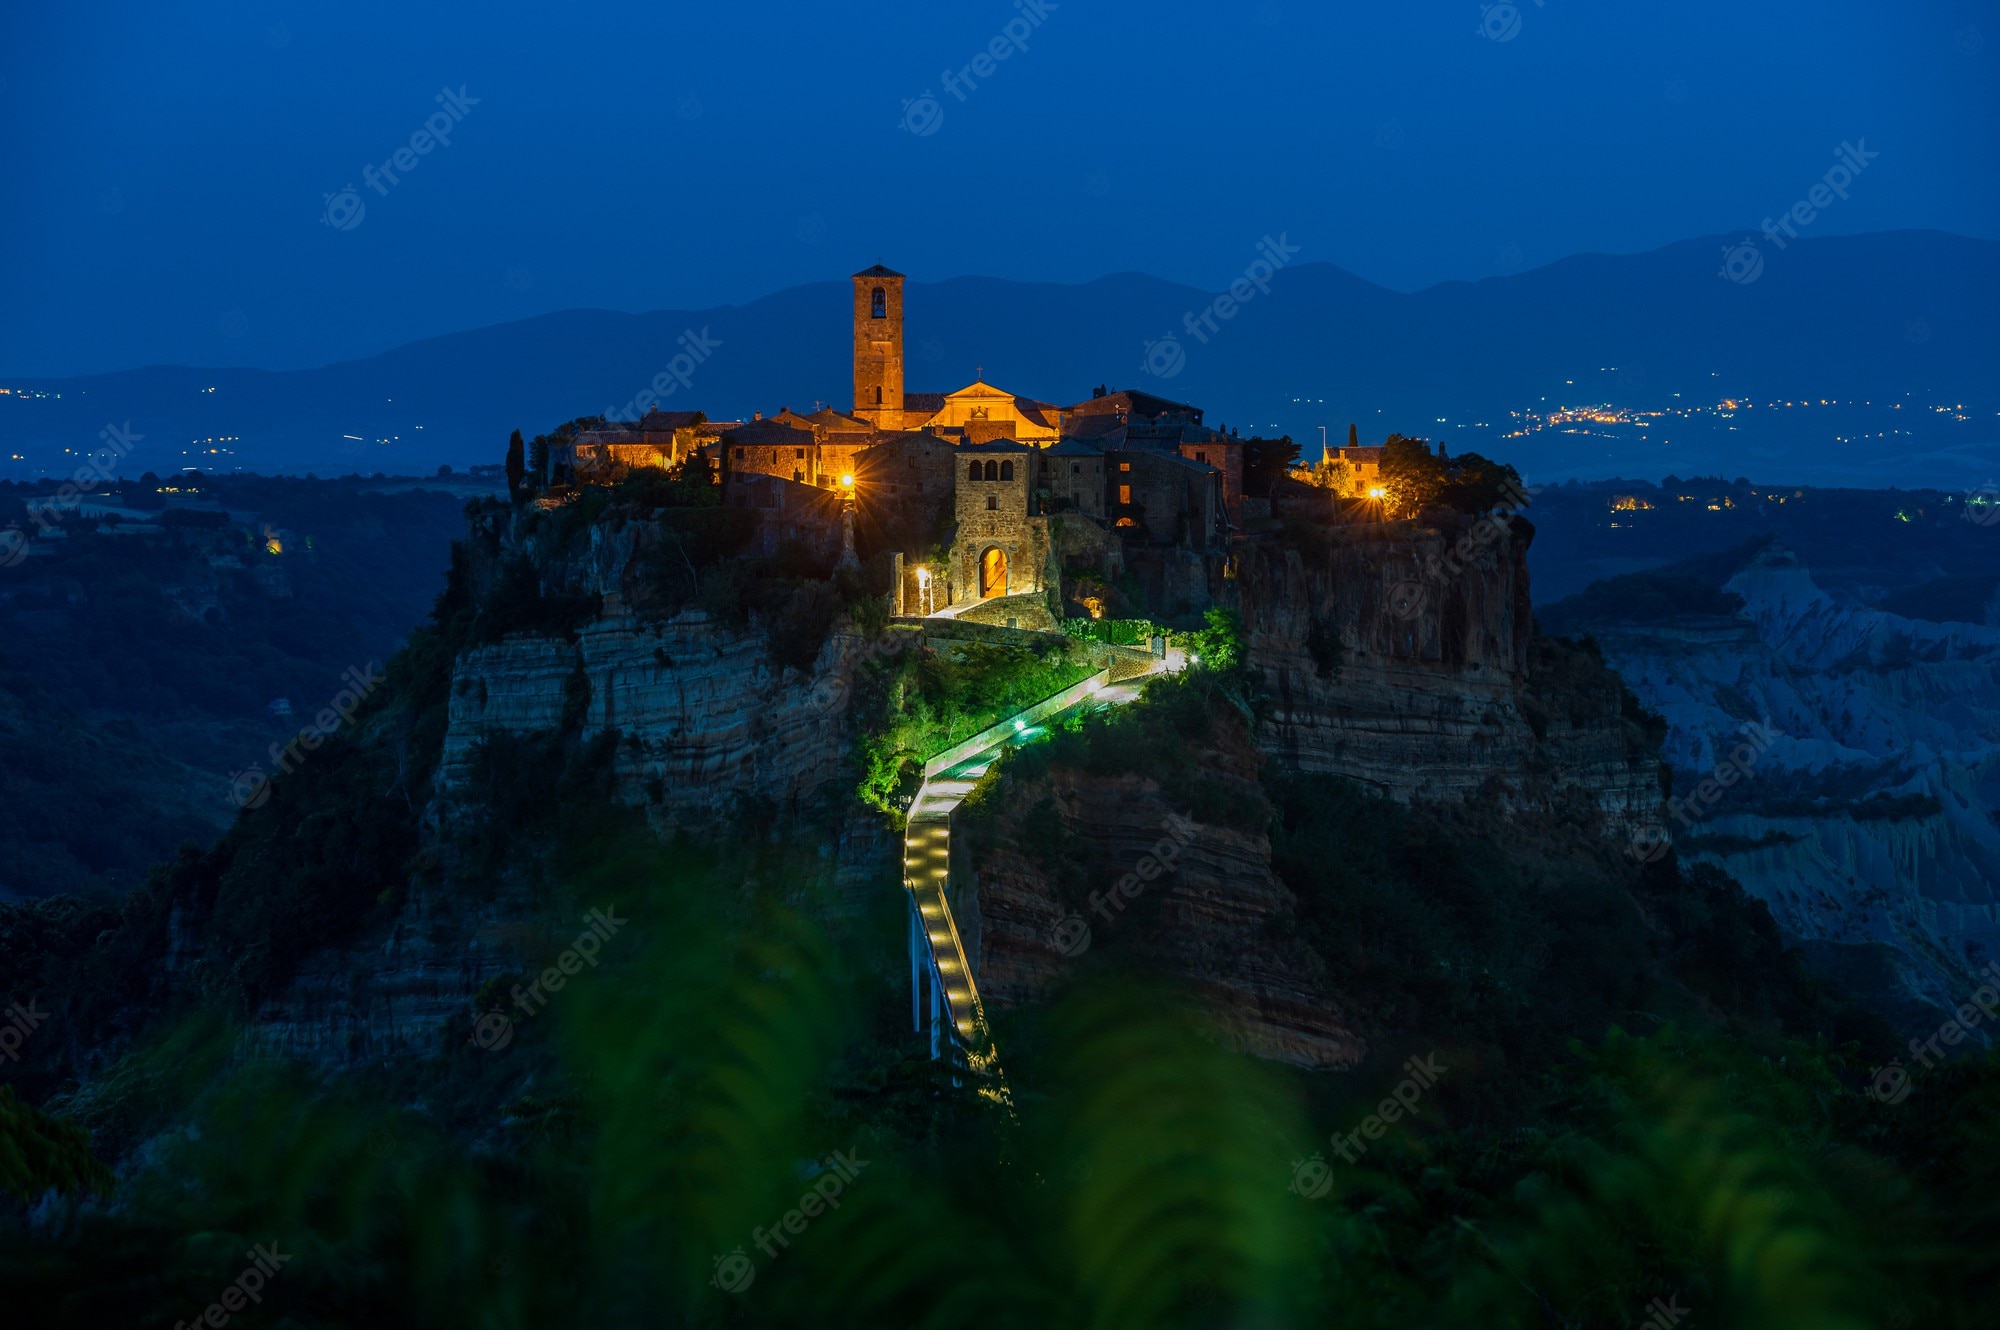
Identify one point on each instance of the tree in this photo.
(1353, 436)
(538, 460)
(1411, 476)
(515, 465)
(1478, 485)
(1265, 462)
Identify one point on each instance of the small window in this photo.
(1124, 466)
(878, 305)
(1076, 468)
(1006, 471)
(972, 471)
(1201, 457)
(993, 471)
(992, 503)
(739, 454)
(1124, 494)
(878, 388)
(801, 452)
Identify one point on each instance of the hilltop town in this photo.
(993, 505)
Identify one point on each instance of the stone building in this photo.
(1000, 547)
(659, 439)
(1069, 477)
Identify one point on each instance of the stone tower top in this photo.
(878, 347)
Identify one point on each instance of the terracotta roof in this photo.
(1135, 403)
(878, 271)
(997, 446)
(1068, 447)
(1091, 426)
(769, 432)
(829, 418)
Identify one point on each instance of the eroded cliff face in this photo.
(1211, 920)
(1404, 657)
(702, 716)
(1866, 825)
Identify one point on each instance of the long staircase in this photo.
(947, 1006)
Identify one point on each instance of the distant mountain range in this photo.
(1894, 332)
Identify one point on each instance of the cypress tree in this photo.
(516, 465)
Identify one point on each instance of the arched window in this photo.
(1006, 471)
(992, 503)
(878, 394)
(878, 304)
(972, 469)
(993, 471)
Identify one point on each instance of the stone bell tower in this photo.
(878, 347)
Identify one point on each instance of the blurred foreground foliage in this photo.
(623, 1158)
(1644, 1098)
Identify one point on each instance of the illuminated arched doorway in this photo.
(993, 573)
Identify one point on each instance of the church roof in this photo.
(931, 402)
(878, 271)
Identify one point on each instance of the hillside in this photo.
(575, 959)
(150, 667)
(1867, 825)
(1845, 346)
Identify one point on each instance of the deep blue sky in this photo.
(165, 166)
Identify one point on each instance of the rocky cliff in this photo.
(1404, 656)
(702, 715)
(1868, 825)
(1211, 918)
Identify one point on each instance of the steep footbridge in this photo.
(944, 990)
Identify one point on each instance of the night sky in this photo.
(167, 168)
